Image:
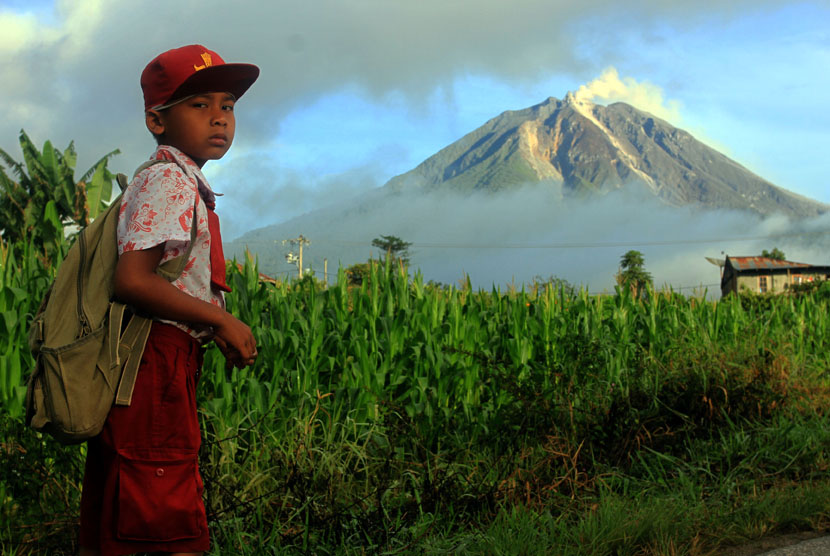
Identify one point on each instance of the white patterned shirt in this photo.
(157, 208)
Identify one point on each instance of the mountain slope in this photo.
(579, 148)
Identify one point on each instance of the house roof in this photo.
(763, 263)
(262, 277)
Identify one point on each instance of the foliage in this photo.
(554, 282)
(632, 273)
(46, 196)
(39, 490)
(24, 279)
(821, 288)
(776, 254)
(393, 247)
(307, 283)
(358, 272)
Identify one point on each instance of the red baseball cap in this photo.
(189, 70)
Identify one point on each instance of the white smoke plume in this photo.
(609, 87)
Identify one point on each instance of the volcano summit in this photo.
(581, 149)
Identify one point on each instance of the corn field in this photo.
(503, 390)
(447, 357)
(443, 355)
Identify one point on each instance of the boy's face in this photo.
(202, 126)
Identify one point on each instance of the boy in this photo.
(142, 489)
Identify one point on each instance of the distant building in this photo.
(262, 277)
(762, 274)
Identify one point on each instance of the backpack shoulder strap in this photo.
(130, 348)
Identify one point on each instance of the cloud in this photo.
(49, 84)
(76, 76)
(516, 236)
(261, 192)
(16, 31)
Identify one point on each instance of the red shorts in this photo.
(142, 490)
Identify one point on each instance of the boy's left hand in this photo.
(232, 356)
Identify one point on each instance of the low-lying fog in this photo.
(516, 236)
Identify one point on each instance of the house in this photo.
(763, 274)
(241, 268)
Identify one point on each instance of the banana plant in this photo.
(39, 196)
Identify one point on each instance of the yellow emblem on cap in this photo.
(207, 62)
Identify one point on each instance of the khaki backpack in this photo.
(87, 346)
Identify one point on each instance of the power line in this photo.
(572, 245)
(668, 286)
(696, 287)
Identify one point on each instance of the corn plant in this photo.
(24, 280)
(456, 361)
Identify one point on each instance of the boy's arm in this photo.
(137, 283)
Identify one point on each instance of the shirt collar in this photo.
(191, 169)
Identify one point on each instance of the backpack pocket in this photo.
(77, 384)
(159, 500)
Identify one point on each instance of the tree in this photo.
(357, 273)
(393, 247)
(633, 273)
(46, 197)
(554, 283)
(776, 254)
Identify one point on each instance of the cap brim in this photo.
(226, 78)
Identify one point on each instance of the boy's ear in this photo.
(154, 122)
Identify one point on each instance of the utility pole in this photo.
(297, 258)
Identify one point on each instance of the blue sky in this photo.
(354, 92)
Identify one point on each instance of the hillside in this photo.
(581, 149)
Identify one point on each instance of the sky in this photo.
(353, 92)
